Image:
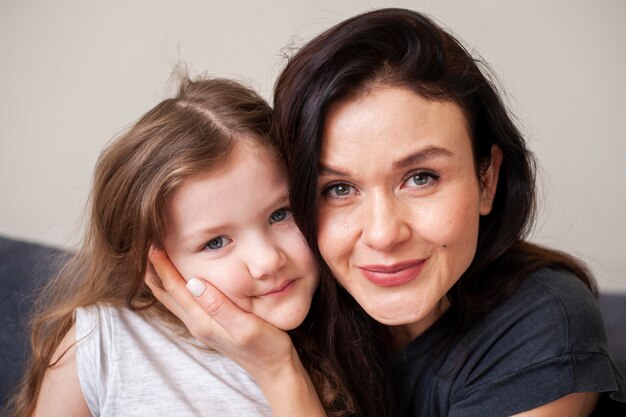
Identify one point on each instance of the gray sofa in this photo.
(25, 266)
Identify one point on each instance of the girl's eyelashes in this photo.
(338, 190)
(280, 215)
(217, 243)
(220, 242)
(421, 179)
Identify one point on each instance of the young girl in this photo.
(200, 177)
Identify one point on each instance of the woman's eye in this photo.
(421, 179)
(339, 190)
(280, 215)
(217, 243)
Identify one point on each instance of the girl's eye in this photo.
(217, 243)
(338, 190)
(421, 179)
(280, 215)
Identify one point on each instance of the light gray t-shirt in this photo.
(129, 366)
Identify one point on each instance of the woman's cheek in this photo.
(448, 225)
(334, 230)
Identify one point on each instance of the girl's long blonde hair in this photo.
(179, 138)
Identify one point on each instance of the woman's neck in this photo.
(404, 333)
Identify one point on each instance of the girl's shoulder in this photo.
(125, 356)
(105, 320)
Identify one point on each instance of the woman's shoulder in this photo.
(553, 307)
(556, 299)
(545, 341)
(558, 285)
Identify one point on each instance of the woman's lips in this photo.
(393, 275)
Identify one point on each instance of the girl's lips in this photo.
(393, 275)
(281, 290)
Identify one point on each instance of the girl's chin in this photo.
(287, 321)
(285, 326)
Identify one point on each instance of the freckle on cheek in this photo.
(445, 246)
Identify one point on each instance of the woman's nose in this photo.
(385, 225)
(265, 257)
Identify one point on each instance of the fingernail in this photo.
(196, 287)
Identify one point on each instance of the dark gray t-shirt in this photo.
(546, 341)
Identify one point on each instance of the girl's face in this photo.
(233, 227)
(400, 202)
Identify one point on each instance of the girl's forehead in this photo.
(264, 148)
(241, 192)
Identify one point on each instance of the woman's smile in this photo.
(395, 274)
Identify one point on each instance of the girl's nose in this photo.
(266, 258)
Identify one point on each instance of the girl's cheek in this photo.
(226, 278)
(185, 266)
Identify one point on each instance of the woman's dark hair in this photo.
(396, 47)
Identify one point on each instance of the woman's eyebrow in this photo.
(412, 159)
(326, 170)
(421, 156)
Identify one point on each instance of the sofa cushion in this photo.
(613, 308)
(24, 267)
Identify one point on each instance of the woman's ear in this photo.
(489, 180)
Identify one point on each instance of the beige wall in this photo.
(74, 73)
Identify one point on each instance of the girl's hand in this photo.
(263, 350)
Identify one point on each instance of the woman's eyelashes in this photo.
(417, 180)
(421, 180)
(338, 190)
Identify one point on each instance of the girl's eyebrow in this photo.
(201, 233)
(420, 156)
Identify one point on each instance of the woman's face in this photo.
(400, 202)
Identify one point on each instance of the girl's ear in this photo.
(489, 181)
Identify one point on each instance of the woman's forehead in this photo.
(392, 120)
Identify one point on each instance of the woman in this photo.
(423, 191)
